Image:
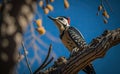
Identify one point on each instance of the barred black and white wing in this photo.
(77, 37)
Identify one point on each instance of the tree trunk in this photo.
(15, 15)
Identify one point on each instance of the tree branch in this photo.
(97, 49)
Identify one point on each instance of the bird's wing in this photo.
(76, 36)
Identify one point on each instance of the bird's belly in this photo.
(67, 41)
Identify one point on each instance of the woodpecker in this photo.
(71, 38)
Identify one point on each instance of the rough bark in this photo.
(97, 49)
(15, 15)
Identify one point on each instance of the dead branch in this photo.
(97, 49)
(28, 65)
(44, 64)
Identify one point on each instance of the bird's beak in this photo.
(51, 18)
(57, 22)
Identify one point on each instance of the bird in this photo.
(72, 38)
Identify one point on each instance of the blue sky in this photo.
(82, 14)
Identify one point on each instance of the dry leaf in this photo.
(41, 3)
(50, 7)
(41, 30)
(39, 22)
(66, 4)
(46, 10)
(100, 8)
(105, 14)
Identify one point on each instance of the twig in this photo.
(47, 63)
(44, 60)
(46, 57)
(109, 5)
(26, 58)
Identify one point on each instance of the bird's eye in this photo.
(60, 18)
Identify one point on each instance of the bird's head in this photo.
(61, 22)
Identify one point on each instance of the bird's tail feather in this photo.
(89, 69)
